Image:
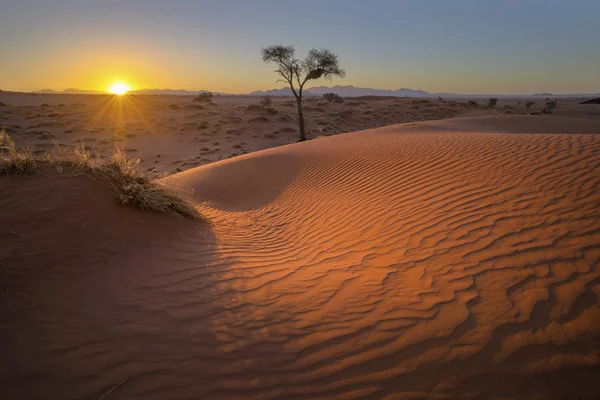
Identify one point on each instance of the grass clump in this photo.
(129, 184)
(15, 161)
(5, 140)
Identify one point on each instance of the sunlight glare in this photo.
(119, 88)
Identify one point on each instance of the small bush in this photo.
(266, 101)
(550, 106)
(204, 97)
(529, 104)
(492, 102)
(333, 98)
(472, 103)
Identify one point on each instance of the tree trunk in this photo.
(301, 119)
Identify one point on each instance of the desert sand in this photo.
(173, 133)
(450, 259)
(170, 134)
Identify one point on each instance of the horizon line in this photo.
(132, 91)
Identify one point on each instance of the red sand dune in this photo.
(442, 260)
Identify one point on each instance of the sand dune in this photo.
(438, 260)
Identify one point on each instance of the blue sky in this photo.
(464, 46)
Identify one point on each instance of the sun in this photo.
(119, 88)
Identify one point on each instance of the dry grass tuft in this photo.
(132, 186)
(129, 184)
(5, 140)
(15, 161)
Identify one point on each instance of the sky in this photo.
(453, 46)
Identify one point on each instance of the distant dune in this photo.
(454, 259)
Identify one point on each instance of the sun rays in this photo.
(119, 88)
(122, 111)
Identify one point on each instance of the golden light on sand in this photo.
(119, 88)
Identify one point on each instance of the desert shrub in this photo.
(472, 103)
(550, 106)
(492, 102)
(266, 101)
(204, 97)
(15, 161)
(18, 162)
(529, 104)
(333, 98)
(6, 142)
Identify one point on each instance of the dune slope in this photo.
(448, 259)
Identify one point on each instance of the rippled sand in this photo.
(448, 259)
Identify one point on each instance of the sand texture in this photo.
(170, 134)
(453, 259)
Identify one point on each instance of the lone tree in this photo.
(318, 63)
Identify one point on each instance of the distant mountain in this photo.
(69, 91)
(286, 91)
(353, 91)
(48, 91)
(171, 92)
(344, 91)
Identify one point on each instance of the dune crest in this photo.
(447, 259)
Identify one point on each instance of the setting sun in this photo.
(118, 88)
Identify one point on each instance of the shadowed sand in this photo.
(444, 259)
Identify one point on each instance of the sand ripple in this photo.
(453, 259)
